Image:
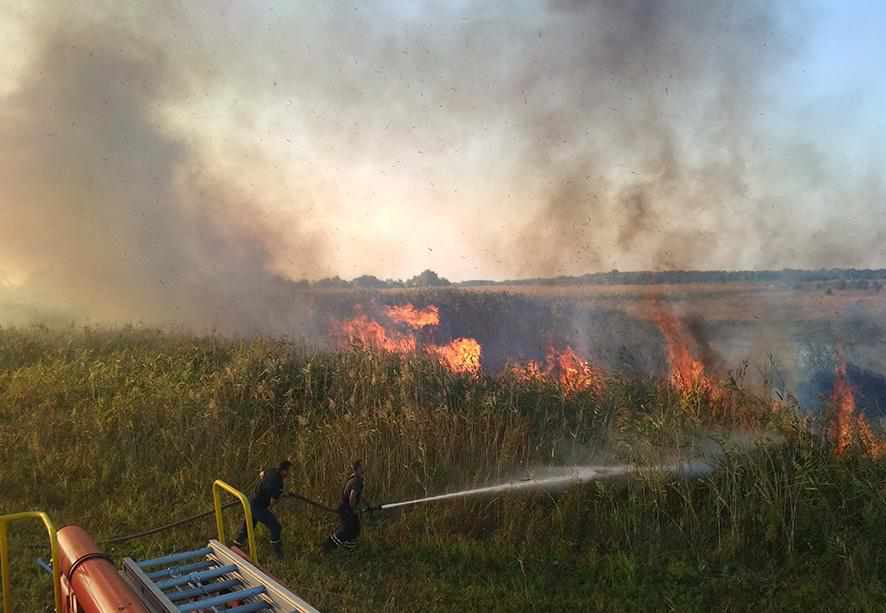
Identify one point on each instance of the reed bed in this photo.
(121, 429)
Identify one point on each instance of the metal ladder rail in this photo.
(282, 599)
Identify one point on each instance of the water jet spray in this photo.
(567, 477)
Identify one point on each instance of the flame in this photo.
(870, 442)
(564, 367)
(362, 333)
(575, 374)
(367, 334)
(530, 372)
(844, 402)
(412, 317)
(847, 426)
(687, 373)
(460, 356)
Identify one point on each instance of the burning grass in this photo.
(461, 355)
(125, 429)
(563, 368)
(413, 317)
(687, 372)
(849, 428)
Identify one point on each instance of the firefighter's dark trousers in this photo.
(348, 528)
(264, 516)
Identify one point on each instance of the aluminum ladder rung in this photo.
(213, 578)
(224, 598)
(248, 608)
(176, 557)
(197, 577)
(177, 571)
(203, 590)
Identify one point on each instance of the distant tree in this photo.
(368, 282)
(428, 278)
(332, 282)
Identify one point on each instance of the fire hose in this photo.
(182, 522)
(124, 538)
(313, 503)
(193, 518)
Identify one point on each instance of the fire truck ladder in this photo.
(214, 578)
(209, 579)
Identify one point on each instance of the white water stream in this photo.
(570, 475)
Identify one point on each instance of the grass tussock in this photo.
(118, 430)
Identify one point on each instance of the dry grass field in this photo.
(717, 301)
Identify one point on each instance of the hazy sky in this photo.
(479, 139)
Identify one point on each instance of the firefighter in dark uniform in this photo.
(270, 488)
(348, 519)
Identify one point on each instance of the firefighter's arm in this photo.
(277, 488)
(367, 506)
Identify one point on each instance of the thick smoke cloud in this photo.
(664, 99)
(179, 161)
(113, 215)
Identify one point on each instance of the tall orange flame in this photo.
(572, 373)
(413, 317)
(848, 426)
(687, 373)
(844, 404)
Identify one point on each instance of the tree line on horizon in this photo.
(843, 278)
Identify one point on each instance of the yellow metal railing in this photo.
(217, 486)
(5, 520)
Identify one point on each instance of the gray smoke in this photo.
(527, 138)
(648, 127)
(116, 216)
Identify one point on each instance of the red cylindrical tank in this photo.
(93, 578)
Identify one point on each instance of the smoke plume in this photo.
(184, 161)
(113, 215)
(647, 129)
